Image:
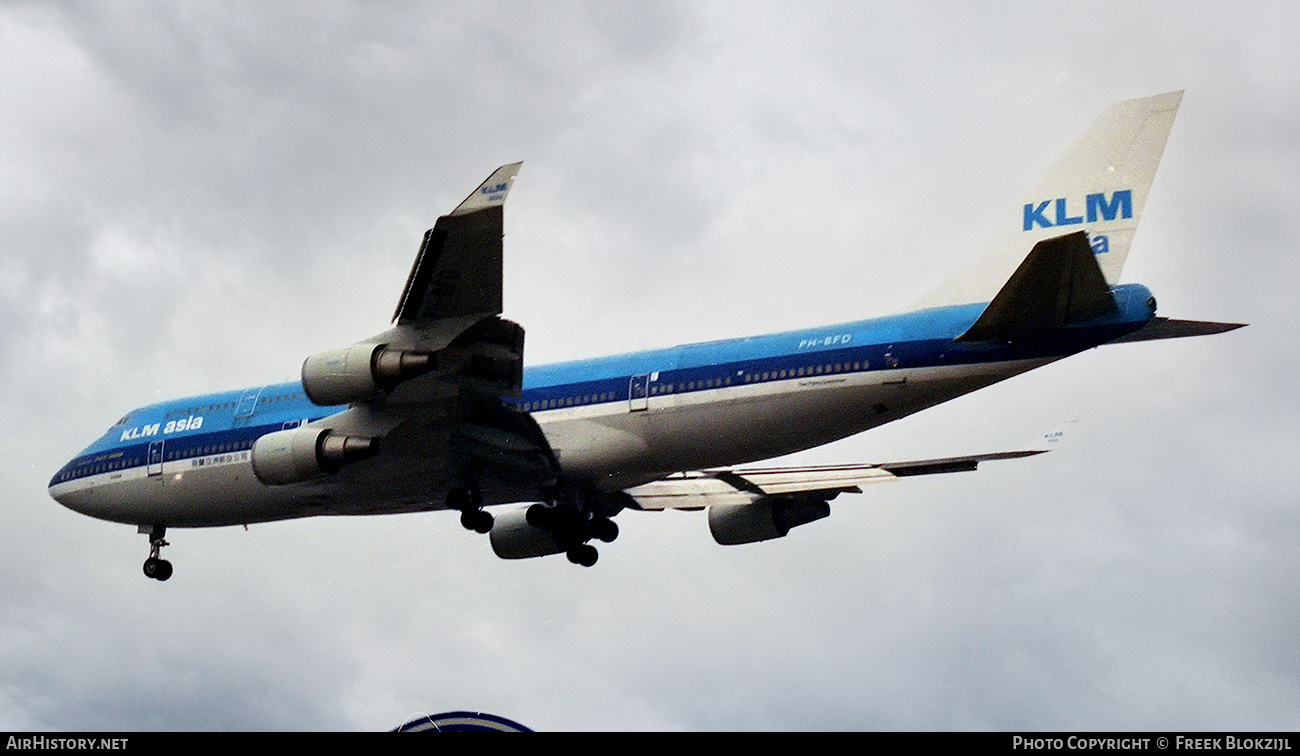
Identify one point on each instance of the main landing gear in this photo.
(572, 516)
(155, 566)
(468, 499)
(575, 522)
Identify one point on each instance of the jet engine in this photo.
(769, 517)
(298, 454)
(513, 537)
(341, 376)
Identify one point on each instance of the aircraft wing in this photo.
(745, 486)
(436, 380)
(458, 269)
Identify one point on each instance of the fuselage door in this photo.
(247, 403)
(638, 393)
(154, 458)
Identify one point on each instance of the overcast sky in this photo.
(195, 196)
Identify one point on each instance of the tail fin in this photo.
(1099, 186)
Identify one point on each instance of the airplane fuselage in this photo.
(440, 412)
(612, 422)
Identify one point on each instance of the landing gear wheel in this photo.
(476, 520)
(540, 516)
(469, 500)
(155, 566)
(583, 554)
(603, 529)
(158, 569)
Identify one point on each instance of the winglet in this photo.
(1051, 439)
(491, 193)
(457, 271)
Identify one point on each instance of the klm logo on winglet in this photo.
(1096, 207)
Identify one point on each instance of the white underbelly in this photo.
(616, 447)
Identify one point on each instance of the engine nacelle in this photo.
(769, 517)
(513, 537)
(342, 376)
(298, 454)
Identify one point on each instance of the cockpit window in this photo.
(122, 421)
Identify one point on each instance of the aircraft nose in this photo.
(58, 491)
(62, 491)
(86, 501)
(62, 497)
(78, 489)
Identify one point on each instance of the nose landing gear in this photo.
(155, 566)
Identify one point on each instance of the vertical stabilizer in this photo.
(1100, 186)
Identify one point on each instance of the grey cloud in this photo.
(196, 196)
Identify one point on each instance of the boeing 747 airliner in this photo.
(439, 412)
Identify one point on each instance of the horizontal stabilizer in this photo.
(1058, 283)
(1167, 328)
